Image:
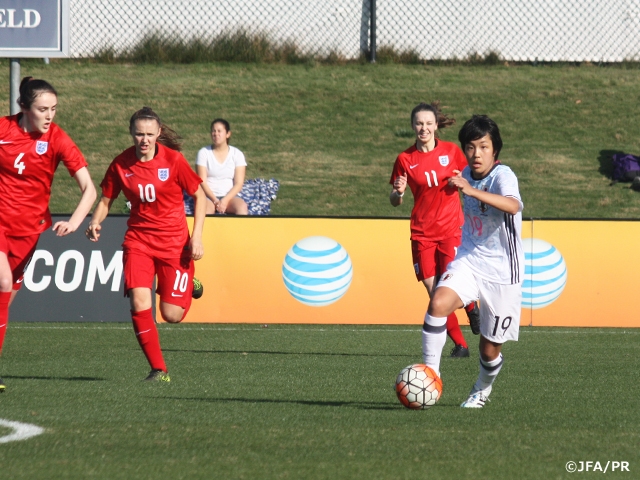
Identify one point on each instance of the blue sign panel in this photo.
(34, 28)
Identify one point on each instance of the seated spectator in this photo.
(222, 169)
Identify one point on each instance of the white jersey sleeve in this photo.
(492, 239)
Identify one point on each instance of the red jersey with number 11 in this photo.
(27, 164)
(436, 213)
(157, 223)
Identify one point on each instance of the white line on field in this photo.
(190, 327)
(21, 431)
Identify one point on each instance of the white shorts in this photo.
(500, 305)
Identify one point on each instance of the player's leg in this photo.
(445, 252)
(175, 285)
(139, 271)
(15, 255)
(500, 308)
(6, 282)
(456, 287)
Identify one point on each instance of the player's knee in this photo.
(439, 306)
(172, 313)
(6, 283)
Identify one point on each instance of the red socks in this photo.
(453, 330)
(147, 335)
(4, 315)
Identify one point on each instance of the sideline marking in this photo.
(22, 431)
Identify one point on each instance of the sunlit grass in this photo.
(330, 134)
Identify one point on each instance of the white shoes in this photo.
(477, 398)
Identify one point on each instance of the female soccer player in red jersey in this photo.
(152, 175)
(31, 147)
(436, 218)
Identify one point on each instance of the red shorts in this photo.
(175, 276)
(430, 259)
(19, 251)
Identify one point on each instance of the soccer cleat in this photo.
(477, 398)
(474, 319)
(459, 352)
(198, 289)
(157, 376)
(2, 386)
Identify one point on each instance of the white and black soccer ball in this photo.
(418, 387)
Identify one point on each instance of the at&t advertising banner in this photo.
(331, 270)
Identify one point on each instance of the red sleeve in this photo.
(461, 160)
(398, 170)
(111, 185)
(187, 178)
(68, 152)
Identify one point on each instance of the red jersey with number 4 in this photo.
(27, 164)
(436, 213)
(157, 223)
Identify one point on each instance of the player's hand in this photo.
(93, 231)
(64, 228)
(459, 182)
(400, 183)
(197, 249)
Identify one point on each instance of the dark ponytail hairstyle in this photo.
(442, 120)
(30, 89)
(168, 137)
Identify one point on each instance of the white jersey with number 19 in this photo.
(492, 239)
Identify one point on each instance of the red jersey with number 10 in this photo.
(27, 164)
(157, 223)
(436, 213)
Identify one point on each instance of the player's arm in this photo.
(99, 214)
(399, 186)
(202, 173)
(509, 205)
(88, 190)
(199, 214)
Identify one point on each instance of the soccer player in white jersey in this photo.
(489, 265)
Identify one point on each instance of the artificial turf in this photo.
(317, 402)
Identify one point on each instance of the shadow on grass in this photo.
(314, 403)
(264, 352)
(606, 162)
(69, 379)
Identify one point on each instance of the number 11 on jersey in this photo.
(435, 178)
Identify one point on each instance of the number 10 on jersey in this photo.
(147, 193)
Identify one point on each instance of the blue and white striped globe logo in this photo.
(317, 271)
(545, 273)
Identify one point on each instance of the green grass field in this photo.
(330, 134)
(312, 402)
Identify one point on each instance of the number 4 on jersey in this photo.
(19, 164)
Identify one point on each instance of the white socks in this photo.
(434, 336)
(488, 372)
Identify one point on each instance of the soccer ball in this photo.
(418, 387)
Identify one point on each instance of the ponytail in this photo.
(442, 120)
(168, 137)
(30, 89)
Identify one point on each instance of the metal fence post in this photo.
(14, 86)
(372, 35)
